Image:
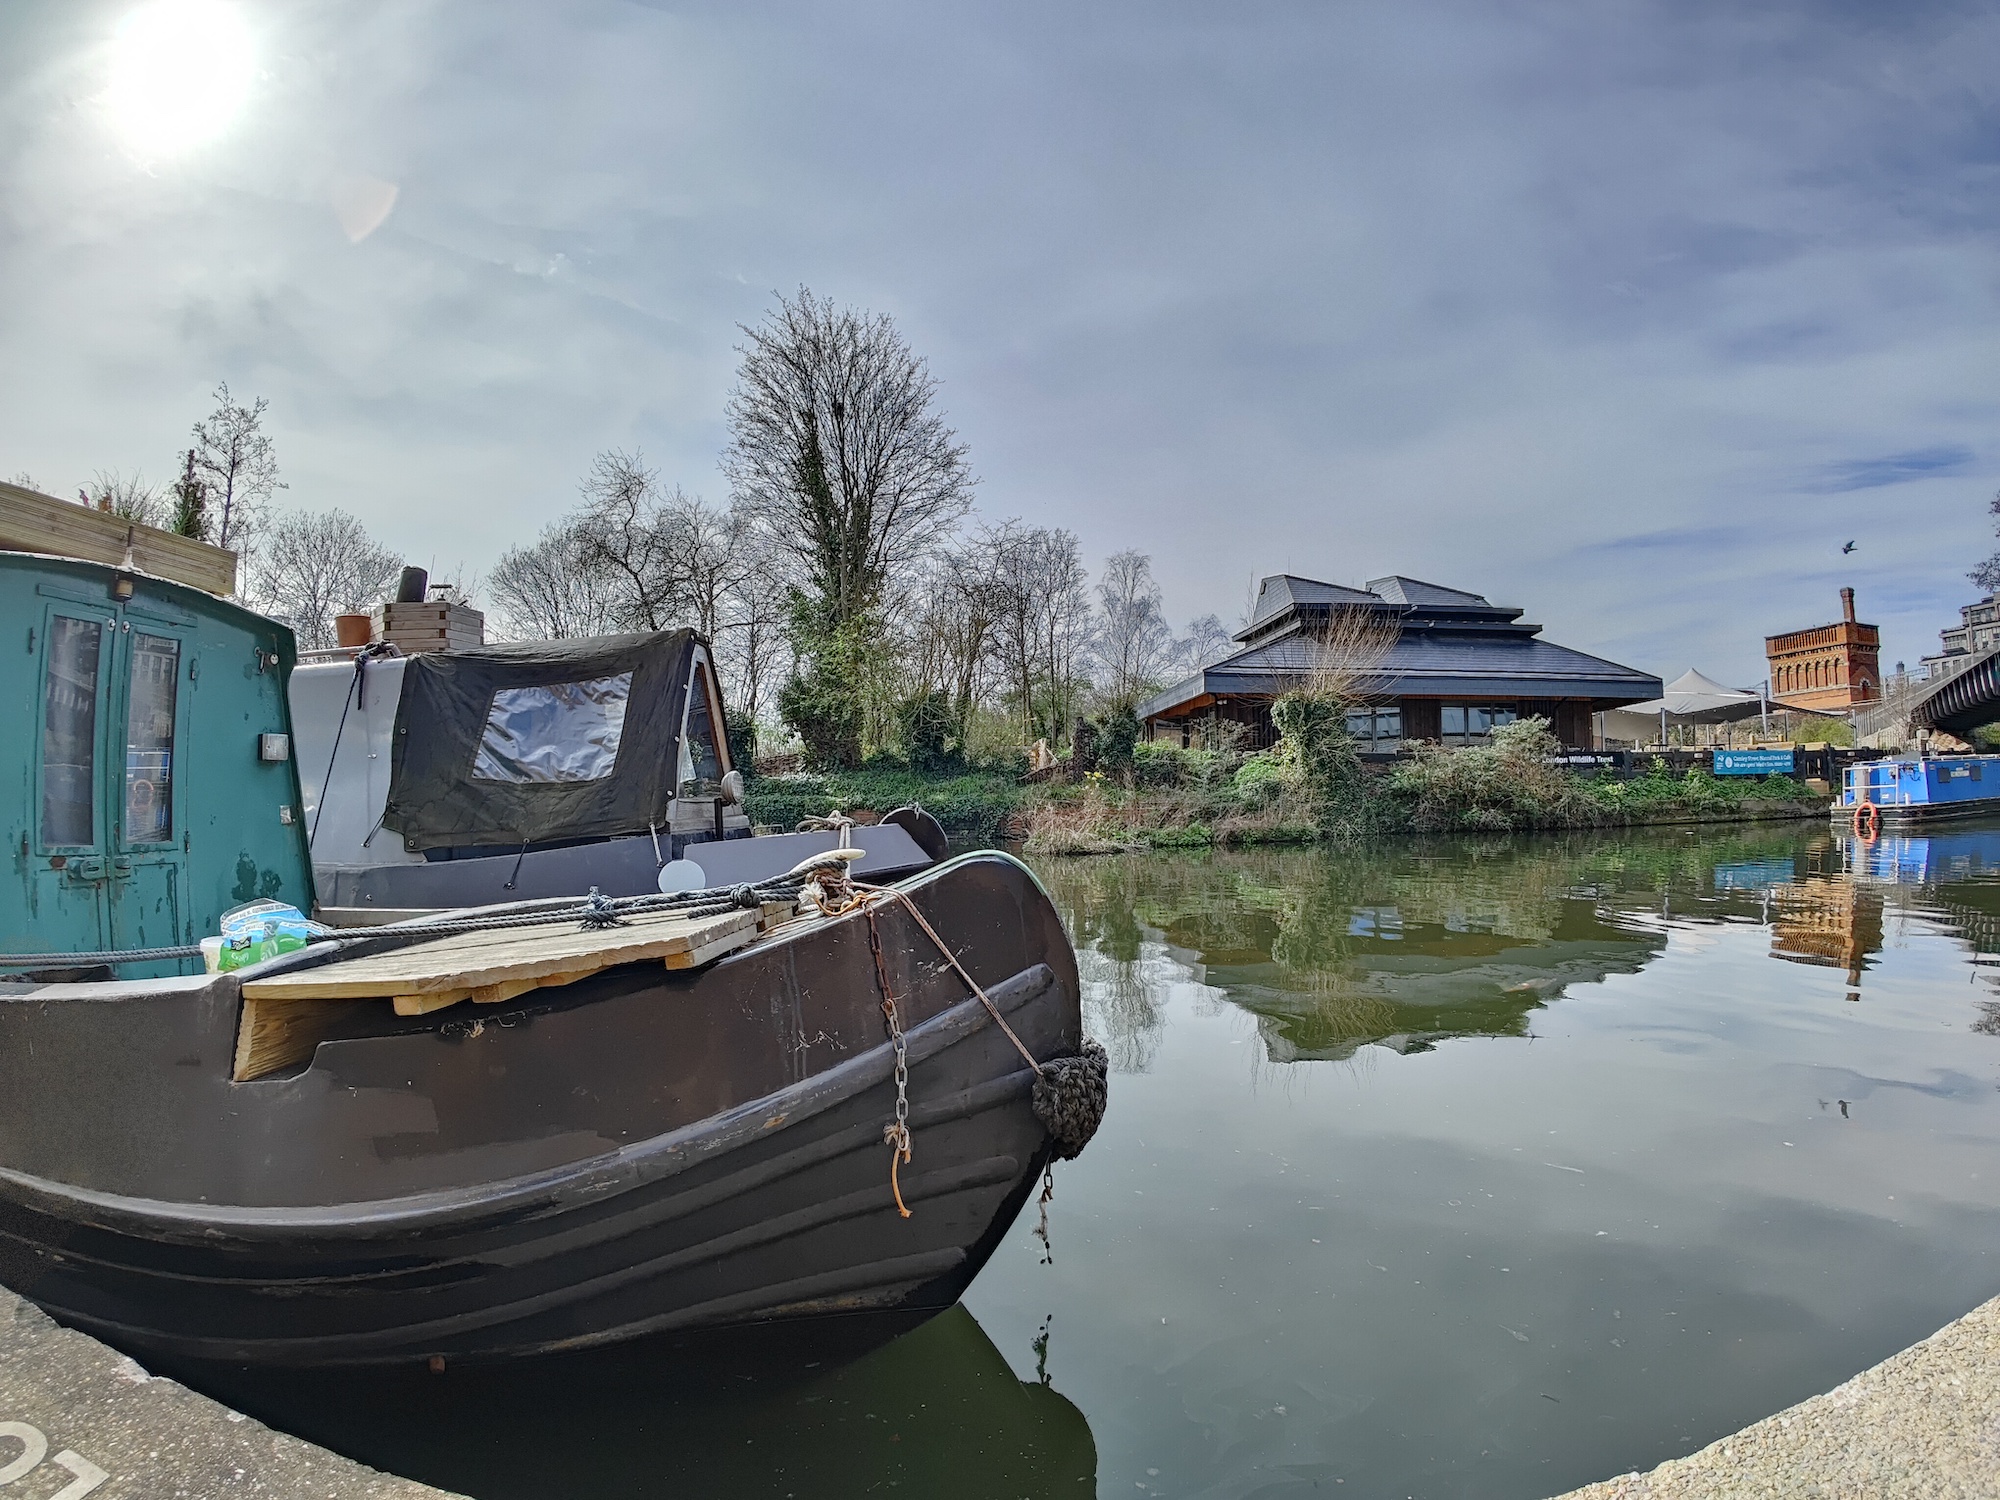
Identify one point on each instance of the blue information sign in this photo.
(1753, 762)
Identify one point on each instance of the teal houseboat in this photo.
(155, 786)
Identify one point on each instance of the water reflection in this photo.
(935, 1412)
(1405, 945)
(1627, 1168)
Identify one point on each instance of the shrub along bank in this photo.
(1312, 787)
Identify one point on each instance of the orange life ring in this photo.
(1867, 821)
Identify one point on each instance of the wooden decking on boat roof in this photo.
(284, 1016)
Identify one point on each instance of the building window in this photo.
(1377, 729)
(1471, 723)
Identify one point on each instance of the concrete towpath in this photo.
(78, 1419)
(1922, 1425)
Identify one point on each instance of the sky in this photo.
(1628, 314)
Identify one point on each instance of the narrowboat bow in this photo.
(524, 1130)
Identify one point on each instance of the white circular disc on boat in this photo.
(682, 875)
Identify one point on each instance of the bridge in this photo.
(1959, 695)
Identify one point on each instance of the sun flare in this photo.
(180, 70)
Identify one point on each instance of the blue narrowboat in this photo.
(1918, 789)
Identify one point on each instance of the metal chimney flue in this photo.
(1847, 605)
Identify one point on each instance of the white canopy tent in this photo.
(1690, 698)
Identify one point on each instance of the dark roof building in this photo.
(1454, 667)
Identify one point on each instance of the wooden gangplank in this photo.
(287, 1015)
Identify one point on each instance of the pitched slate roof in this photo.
(1452, 644)
(1282, 591)
(1400, 590)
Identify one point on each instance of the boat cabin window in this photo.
(564, 731)
(149, 740)
(69, 732)
(700, 759)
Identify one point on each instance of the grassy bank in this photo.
(1172, 798)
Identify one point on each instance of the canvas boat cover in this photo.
(510, 745)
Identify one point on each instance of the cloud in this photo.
(1523, 298)
(1894, 468)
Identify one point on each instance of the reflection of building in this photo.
(1828, 666)
(1831, 924)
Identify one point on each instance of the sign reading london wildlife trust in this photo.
(1753, 762)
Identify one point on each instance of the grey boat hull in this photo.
(645, 1153)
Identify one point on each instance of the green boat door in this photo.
(111, 718)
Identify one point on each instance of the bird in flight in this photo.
(1848, 548)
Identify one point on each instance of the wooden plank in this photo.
(710, 951)
(474, 960)
(34, 522)
(420, 1005)
(274, 1034)
(485, 994)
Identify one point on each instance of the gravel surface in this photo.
(1922, 1425)
(79, 1419)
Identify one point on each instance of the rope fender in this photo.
(1070, 1093)
(1070, 1097)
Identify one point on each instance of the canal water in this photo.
(1460, 1168)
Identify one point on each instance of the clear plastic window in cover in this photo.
(565, 731)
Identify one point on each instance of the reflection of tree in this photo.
(1099, 900)
(1121, 1009)
(1401, 943)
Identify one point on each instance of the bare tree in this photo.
(554, 589)
(709, 553)
(1042, 624)
(314, 565)
(1134, 642)
(1068, 632)
(238, 465)
(1344, 656)
(1207, 642)
(837, 456)
(954, 622)
(751, 651)
(622, 530)
(1987, 574)
(128, 499)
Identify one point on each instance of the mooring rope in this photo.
(596, 910)
(94, 960)
(1069, 1093)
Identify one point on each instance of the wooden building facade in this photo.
(1456, 667)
